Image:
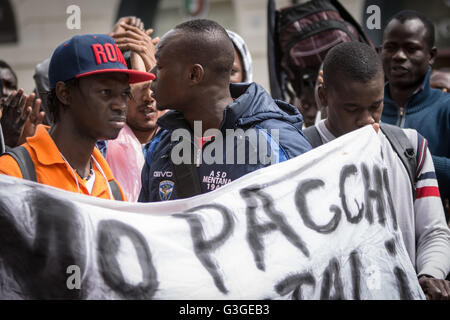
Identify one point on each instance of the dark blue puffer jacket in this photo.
(253, 108)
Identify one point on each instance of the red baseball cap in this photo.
(89, 54)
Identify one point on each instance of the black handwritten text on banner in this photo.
(320, 226)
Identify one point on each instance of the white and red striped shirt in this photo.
(422, 222)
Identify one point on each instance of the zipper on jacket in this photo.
(401, 119)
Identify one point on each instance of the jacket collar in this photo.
(173, 120)
(43, 141)
(417, 100)
(251, 104)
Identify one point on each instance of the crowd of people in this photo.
(106, 114)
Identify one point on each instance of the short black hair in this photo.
(202, 25)
(355, 60)
(54, 104)
(407, 15)
(4, 65)
(209, 42)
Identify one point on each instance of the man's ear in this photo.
(62, 93)
(433, 54)
(321, 96)
(196, 73)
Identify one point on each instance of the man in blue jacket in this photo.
(216, 133)
(408, 52)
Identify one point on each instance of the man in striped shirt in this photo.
(353, 90)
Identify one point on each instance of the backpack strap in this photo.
(23, 159)
(115, 190)
(2, 142)
(402, 146)
(313, 136)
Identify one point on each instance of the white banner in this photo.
(320, 226)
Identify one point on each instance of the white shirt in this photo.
(89, 183)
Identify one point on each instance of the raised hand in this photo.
(35, 118)
(15, 114)
(129, 20)
(139, 42)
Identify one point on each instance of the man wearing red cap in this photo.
(89, 83)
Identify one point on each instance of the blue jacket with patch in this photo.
(427, 111)
(275, 135)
